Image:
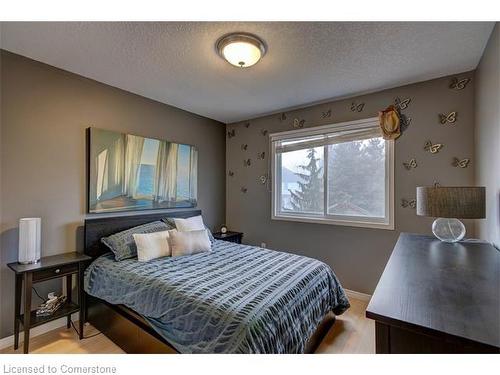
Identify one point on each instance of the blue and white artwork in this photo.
(129, 172)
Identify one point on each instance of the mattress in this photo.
(234, 299)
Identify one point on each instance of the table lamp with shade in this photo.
(448, 205)
(29, 240)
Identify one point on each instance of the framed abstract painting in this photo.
(128, 172)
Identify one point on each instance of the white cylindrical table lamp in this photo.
(30, 233)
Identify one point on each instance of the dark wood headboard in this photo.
(98, 227)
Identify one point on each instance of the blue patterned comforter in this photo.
(235, 299)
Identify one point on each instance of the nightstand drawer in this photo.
(55, 272)
(235, 239)
(229, 236)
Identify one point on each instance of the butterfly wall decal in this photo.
(405, 121)
(244, 146)
(298, 123)
(412, 203)
(263, 179)
(263, 132)
(231, 133)
(261, 155)
(402, 104)
(282, 116)
(412, 163)
(464, 163)
(243, 189)
(357, 107)
(433, 148)
(247, 162)
(247, 125)
(449, 118)
(326, 114)
(230, 173)
(459, 84)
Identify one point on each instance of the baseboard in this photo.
(37, 331)
(358, 295)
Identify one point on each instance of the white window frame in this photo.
(353, 221)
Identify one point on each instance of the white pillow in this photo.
(189, 243)
(152, 245)
(186, 225)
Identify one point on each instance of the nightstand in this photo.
(48, 268)
(229, 236)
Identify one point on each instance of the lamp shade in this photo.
(451, 202)
(29, 240)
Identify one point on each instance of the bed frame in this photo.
(126, 328)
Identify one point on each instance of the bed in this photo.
(235, 299)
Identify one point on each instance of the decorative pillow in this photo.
(122, 244)
(189, 243)
(189, 224)
(192, 223)
(169, 222)
(152, 245)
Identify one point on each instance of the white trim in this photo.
(327, 220)
(325, 180)
(386, 223)
(358, 295)
(390, 175)
(318, 130)
(37, 331)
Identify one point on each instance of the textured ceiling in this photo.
(176, 63)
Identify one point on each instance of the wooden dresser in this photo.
(437, 297)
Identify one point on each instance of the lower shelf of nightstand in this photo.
(65, 310)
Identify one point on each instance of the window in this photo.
(335, 174)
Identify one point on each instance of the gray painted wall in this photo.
(358, 255)
(487, 136)
(44, 115)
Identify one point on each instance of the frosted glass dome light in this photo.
(241, 50)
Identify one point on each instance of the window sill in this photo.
(348, 223)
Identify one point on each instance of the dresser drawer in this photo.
(52, 272)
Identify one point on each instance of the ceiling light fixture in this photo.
(241, 49)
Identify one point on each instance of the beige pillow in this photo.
(189, 243)
(192, 223)
(152, 245)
